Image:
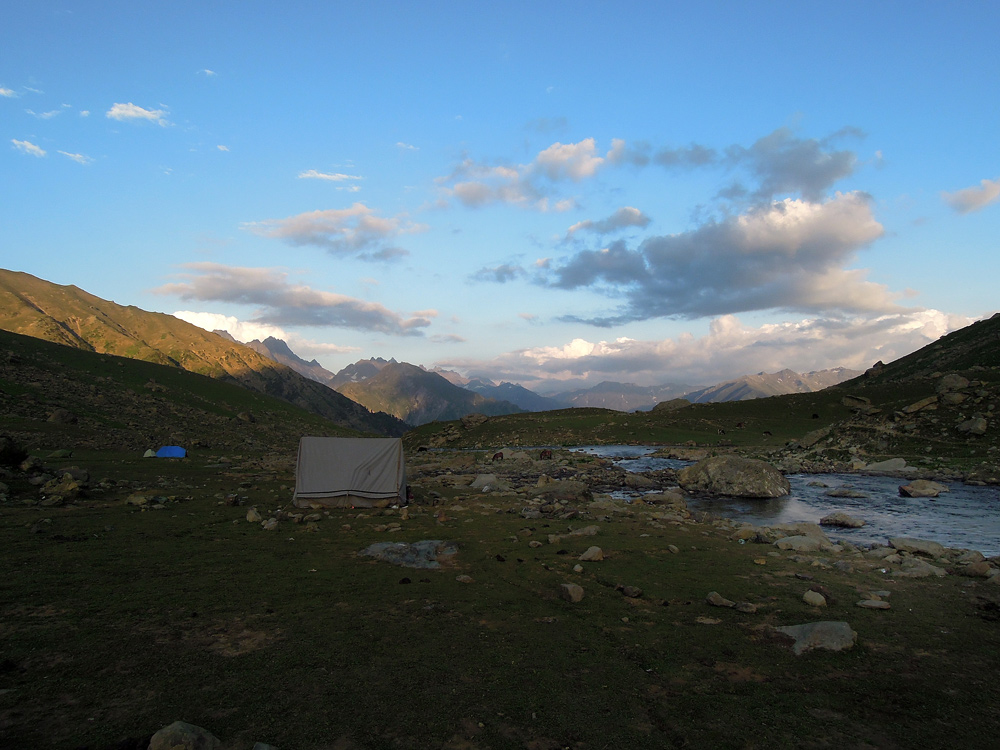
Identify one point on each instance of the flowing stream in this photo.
(965, 517)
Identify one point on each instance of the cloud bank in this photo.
(357, 231)
(281, 303)
(730, 349)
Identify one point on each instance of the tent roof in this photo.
(357, 471)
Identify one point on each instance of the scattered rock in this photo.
(253, 516)
(270, 524)
(593, 554)
(464, 579)
(892, 464)
(828, 635)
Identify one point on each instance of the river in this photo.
(965, 517)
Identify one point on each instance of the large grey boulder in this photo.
(734, 476)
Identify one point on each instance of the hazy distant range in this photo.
(381, 373)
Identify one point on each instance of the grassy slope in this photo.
(70, 316)
(119, 621)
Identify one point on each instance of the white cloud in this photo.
(84, 113)
(973, 198)
(222, 148)
(78, 158)
(7, 92)
(313, 174)
(27, 147)
(406, 146)
(526, 185)
(130, 111)
(44, 115)
(246, 331)
(207, 73)
(282, 303)
(357, 230)
(730, 349)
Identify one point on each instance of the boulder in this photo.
(183, 736)
(593, 554)
(814, 598)
(917, 546)
(843, 520)
(921, 404)
(801, 544)
(922, 488)
(734, 476)
(423, 554)
(828, 635)
(571, 592)
(892, 464)
(718, 600)
(567, 490)
(974, 426)
(952, 382)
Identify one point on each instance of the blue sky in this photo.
(554, 194)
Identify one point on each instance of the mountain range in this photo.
(372, 395)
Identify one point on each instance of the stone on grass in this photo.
(827, 634)
(423, 554)
(874, 604)
(183, 736)
(914, 567)
(814, 598)
(253, 516)
(571, 592)
(270, 524)
(593, 554)
(718, 600)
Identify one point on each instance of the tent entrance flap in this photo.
(345, 472)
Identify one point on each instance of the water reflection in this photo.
(965, 516)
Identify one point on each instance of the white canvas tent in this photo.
(350, 472)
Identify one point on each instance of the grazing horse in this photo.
(545, 454)
(498, 456)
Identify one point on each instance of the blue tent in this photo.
(171, 451)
